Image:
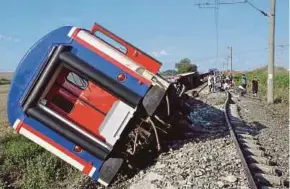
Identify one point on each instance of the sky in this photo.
(169, 30)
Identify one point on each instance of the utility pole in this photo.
(226, 65)
(270, 91)
(231, 59)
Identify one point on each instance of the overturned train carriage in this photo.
(92, 104)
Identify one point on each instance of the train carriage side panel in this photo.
(132, 52)
(36, 131)
(59, 113)
(96, 45)
(45, 124)
(109, 69)
(130, 82)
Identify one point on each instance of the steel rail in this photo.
(252, 183)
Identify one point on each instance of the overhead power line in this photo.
(240, 53)
(261, 11)
(214, 4)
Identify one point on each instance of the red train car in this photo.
(89, 102)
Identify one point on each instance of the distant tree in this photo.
(185, 65)
(4, 81)
(169, 72)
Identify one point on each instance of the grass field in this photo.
(281, 83)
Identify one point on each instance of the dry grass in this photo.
(5, 129)
(6, 75)
(4, 89)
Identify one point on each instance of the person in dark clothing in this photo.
(231, 79)
(255, 85)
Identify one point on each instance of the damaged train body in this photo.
(92, 99)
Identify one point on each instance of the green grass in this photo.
(44, 170)
(17, 151)
(281, 83)
(30, 165)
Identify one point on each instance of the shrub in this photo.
(42, 171)
(4, 81)
(33, 165)
(17, 150)
(281, 83)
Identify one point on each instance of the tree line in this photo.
(4, 81)
(183, 66)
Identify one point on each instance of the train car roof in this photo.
(186, 74)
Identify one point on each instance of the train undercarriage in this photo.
(147, 133)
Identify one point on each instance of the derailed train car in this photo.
(93, 105)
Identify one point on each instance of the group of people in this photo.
(227, 81)
(255, 84)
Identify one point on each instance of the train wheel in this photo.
(109, 170)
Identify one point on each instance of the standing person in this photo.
(255, 85)
(244, 82)
(210, 82)
(214, 82)
(227, 79)
(222, 83)
(231, 79)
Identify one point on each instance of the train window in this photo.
(111, 42)
(62, 103)
(77, 80)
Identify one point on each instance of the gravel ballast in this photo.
(202, 160)
(272, 125)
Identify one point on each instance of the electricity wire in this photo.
(253, 6)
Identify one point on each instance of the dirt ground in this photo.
(4, 91)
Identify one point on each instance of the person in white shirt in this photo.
(214, 83)
(210, 83)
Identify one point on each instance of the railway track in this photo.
(260, 171)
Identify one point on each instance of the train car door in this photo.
(79, 101)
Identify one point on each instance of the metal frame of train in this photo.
(90, 103)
